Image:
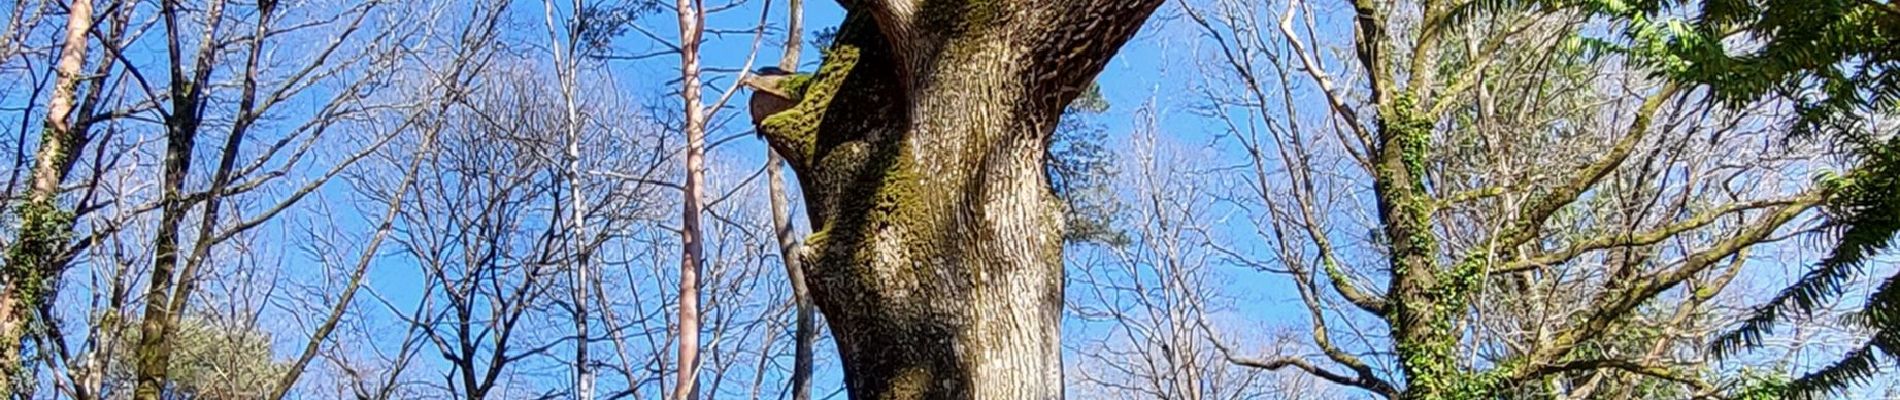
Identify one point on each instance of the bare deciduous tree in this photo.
(261, 89)
(1145, 302)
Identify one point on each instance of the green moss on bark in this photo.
(1427, 332)
(796, 129)
(45, 230)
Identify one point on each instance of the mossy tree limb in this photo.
(40, 253)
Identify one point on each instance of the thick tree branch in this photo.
(794, 132)
(1531, 220)
(1365, 300)
(1614, 305)
(1369, 43)
(1421, 71)
(1631, 239)
(1651, 370)
(1077, 38)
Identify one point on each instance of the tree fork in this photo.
(919, 143)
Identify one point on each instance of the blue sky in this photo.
(1156, 73)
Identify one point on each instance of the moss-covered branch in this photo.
(45, 231)
(1632, 239)
(1616, 306)
(794, 132)
(1531, 220)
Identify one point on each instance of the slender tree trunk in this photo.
(56, 154)
(45, 228)
(920, 145)
(804, 334)
(567, 62)
(154, 350)
(692, 250)
(584, 379)
(165, 294)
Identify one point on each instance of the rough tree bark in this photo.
(919, 145)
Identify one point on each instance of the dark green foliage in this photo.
(1081, 171)
(1855, 368)
(46, 231)
(1758, 385)
(1835, 60)
(823, 38)
(1864, 214)
(596, 25)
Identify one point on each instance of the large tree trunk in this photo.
(919, 145)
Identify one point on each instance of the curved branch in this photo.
(1632, 239)
(1539, 209)
(1656, 371)
(1347, 115)
(1361, 380)
(794, 132)
(1613, 306)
